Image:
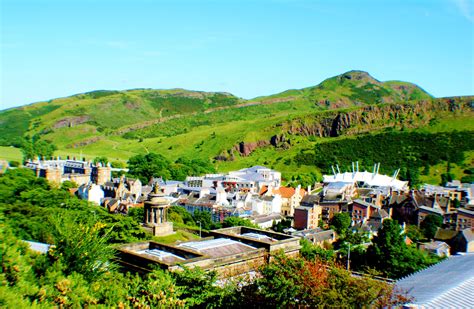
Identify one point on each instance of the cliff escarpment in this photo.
(361, 120)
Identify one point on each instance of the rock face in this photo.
(376, 117)
(245, 148)
(71, 121)
(366, 119)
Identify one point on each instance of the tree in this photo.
(81, 244)
(204, 217)
(312, 252)
(296, 282)
(341, 222)
(414, 233)
(34, 147)
(237, 221)
(430, 225)
(102, 160)
(147, 166)
(390, 255)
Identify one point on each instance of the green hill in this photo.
(231, 131)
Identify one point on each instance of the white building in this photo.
(91, 192)
(367, 179)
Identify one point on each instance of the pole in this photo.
(199, 229)
(348, 256)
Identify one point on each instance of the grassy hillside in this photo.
(230, 131)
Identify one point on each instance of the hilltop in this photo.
(232, 132)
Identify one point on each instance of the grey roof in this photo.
(434, 210)
(468, 234)
(447, 284)
(310, 199)
(361, 202)
(465, 211)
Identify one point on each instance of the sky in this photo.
(52, 49)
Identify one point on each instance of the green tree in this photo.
(34, 147)
(296, 282)
(147, 166)
(341, 223)
(390, 255)
(430, 225)
(82, 246)
(101, 160)
(205, 218)
(312, 252)
(237, 221)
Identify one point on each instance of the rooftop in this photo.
(447, 284)
(217, 247)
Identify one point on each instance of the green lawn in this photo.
(179, 235)
(10, 153)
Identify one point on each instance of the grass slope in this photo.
(181, 123)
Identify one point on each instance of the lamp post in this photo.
(348, 256)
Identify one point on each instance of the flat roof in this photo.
(217, 247)
(164, 256)
(258, 236)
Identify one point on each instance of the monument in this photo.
(156, 208)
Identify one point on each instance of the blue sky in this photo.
(52, 49)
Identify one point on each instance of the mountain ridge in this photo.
(231, 131)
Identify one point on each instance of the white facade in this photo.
(91, 192)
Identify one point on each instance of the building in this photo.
(307, 217)
(439, 248)
(463, 241)
(290, 199)
(465, 219)
(367, 179)
(80, 172)
(447, 284)
(229, 252)
(156, 208)
(91, 192)
(317, 236)
(251, 179)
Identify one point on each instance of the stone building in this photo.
(156, 208)
(229, 252)
(80, 172)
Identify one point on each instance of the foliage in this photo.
(296, 282)
(430, 225)
(237, 221)
(409, 151)
(341, 222)
(312, 252)
(414, 233)
(81, 243)
(102, 160)
(204, 218)
(391, 256)
(199, 288)
(281, 225)
(155, 165)
(66, 185)
(28, 203)
(180, 215)
(148, 166)
(34, 147)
